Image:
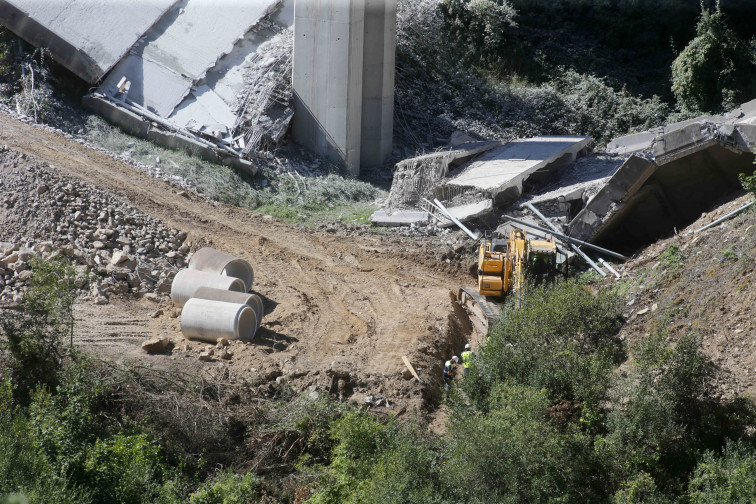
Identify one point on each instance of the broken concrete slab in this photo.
(646, 200)
(86, 36)
(612, 198)
(469, 211)
(502, 171)
(399, 218)
(417, 177)
(180, 49)
(629, 144)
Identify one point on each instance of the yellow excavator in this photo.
(503, 267)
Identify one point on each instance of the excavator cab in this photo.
(504, 265)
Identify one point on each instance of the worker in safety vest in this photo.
(450, 369)
(467, 356)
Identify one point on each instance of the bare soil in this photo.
(340, 311)
(709, 292)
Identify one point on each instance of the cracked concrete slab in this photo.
(181, 48)
(86, 36)
(400, 218)
(501, 172)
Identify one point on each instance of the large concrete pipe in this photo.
(208, 320)
(251, 300)
(215, 261)
(186, 283)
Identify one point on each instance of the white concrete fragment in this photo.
(399, 218)
(509, 165)
(86, 36)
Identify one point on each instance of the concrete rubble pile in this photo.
(46, 214)
(644, 186)
(173, 71)
(264, 112)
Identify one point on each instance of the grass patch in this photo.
(328, 197)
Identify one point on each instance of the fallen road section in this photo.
(644, 187)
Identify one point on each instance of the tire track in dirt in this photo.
(364, 300)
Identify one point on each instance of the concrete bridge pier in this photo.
(343, 79)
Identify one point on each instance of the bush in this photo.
(716, 70)
(125, 469)
(512, 452)
(37, 332)
(377, 463)
(562, 339)
(482, 27)
(665, 413)
(730, 477)
(748, 182)
(228, 488)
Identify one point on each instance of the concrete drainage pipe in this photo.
(251, 300)
(208, 320)
(221, 263)
(186, 283)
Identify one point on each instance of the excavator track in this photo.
(483, 313)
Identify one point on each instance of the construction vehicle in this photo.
(504, 265)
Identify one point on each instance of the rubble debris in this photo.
(645, 186)
(400, 218)
(264, 110)
(115, 248)
(417, 177)
(156, 345)
(674, 174)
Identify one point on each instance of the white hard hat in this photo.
(468, 346)
(455, 358)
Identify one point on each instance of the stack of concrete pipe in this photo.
(214, 294)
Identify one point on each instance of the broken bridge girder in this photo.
(574, 247)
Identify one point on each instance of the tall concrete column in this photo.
(343, 79)
(378, 82)
(327, 80)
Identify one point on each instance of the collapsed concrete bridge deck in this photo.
(642, 188)
(226, 79)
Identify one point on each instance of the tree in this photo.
(716, 70)
(36, 333)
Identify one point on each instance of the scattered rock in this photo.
(156, 345)
(157, 313)
(151, 296)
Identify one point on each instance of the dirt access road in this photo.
(340, 311)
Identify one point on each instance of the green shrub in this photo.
(125, 469)
(748, 182)
(482, 27)
(563, 340)
(716, 70)
(36, 334)
(640, 489)
(665, 413)
(377, 463)
(512, 452)
(730, 477)
(228, 488)
(672, 259)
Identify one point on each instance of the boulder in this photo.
(156, 345)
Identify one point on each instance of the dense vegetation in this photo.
(546, 414)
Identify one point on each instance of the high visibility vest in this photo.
(448, 367)
(466, 358)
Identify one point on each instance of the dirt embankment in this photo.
(701, 283)
(340, 311)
